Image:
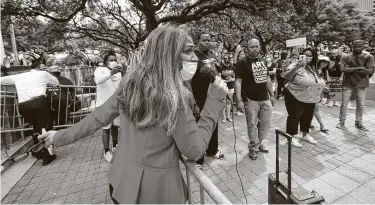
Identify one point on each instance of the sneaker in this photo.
(199, 166)
(330, 104)
(230, 120)
(224, 120)
(239, 113)
(336, 103)
(114, 149)
(360, 126)
(295, 142)
(341, 125)
(309, 139)
(253, 154)
(108, 156)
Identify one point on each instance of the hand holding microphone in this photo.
(218, 89)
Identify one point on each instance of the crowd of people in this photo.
(168, 105)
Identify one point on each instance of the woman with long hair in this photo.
(322, 72)
(302, 91)
(157, 125)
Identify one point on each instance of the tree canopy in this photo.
(55, 25)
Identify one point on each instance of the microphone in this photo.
(210, 71)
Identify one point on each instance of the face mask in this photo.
(188, 70)
(112, 64)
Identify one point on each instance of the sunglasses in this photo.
(22, 156)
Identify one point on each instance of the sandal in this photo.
(218, 155)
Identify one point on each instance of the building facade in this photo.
(366, 5)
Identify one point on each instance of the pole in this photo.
(13, 37)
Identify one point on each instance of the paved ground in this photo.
(341, 167)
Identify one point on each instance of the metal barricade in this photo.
(69, 105)
(205, 184)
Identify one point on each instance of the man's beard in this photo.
(357, 52)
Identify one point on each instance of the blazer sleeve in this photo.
(99, 118)
(191, 138)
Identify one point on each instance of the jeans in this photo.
(360, 101)
(298, 113)
(258, 118)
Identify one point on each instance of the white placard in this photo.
(296, 42)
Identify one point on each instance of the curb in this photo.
(25, 145)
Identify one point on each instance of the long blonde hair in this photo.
(152, 92)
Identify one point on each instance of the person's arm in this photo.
(344, 67)
(327, 75)
(238, 88)
(100, 76)
(269, 86)
(192, 138)
(273, 71)
(238, 84)
(347, 69)
(270, 90)
(99, 118)
(50, 79)
(7, 80)
(370, 65)
(291, 70)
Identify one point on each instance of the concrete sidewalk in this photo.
(341, 167)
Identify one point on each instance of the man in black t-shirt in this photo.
(199, 87)
(357, 68)
(252, 74)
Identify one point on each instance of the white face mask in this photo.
(112, 64)
(188, 70)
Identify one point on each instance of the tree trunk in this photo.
(151, 22)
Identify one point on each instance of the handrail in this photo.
(75, 86)
(216, 195)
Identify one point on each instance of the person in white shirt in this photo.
(34, 106)
(107, 80)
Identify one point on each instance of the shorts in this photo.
(116, 122)
(231, 91)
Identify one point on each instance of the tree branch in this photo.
(13, 11)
